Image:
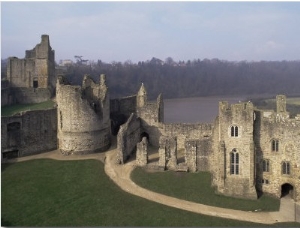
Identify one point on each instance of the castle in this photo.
(248, 151)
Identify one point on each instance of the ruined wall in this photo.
(6, 97)
(151, 114)
(128, 137)
(234, 151)
(167, 153)
(125, 106)
(33, 78)
(29, 133)
(277, 127)
(142, 152)
(83, 116)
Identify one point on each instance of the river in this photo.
(195, 109)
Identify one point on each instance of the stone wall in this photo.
(83, 116)
(142, 152)
(34, 76)
(276, 127)
(234, 150)
(128, 137)
(29, 133)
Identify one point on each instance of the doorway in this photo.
(287, 190)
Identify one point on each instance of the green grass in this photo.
(196, 187)
(78, 193)
(13, 109)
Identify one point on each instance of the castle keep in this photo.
(247, 150)
(32, 79)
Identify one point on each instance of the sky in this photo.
(138, 31)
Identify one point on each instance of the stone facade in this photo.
(32, 79)
(142, 152)
(28, 133)
(83, 116)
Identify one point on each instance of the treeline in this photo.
(193, 78)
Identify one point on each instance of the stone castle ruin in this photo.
(247, 150)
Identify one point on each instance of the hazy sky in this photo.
(138, 31)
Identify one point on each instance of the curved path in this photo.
(120, 174)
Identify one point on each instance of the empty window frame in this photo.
(275, 145)
(286, 168)
(234, 162)
(266, 165)
(234, 131)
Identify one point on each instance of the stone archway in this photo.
(144, 134)
(287, 190)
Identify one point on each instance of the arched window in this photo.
(234, 162)
(275, 145)
(234, 131)
(266, 166)
(286, 168)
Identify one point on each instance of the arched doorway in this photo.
(144, 134)
(287, 190)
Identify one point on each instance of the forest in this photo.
(207, 77)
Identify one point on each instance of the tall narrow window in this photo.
(234, 162)
(286, 168)
(275, 145)
(266, 165)
(234, 131)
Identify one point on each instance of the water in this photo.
(195, 109)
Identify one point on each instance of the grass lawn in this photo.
(196, 187)
(78, 193)
(13, 109)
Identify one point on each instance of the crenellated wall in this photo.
(83, 116)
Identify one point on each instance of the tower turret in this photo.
(141, 97)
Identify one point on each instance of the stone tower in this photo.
(32, 79)
(83, 116)
(235, 158)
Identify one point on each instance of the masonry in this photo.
(248, 151)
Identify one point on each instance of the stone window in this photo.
(265, 181)
(286, 168)
(14, 126)
(234, 162)
(275, 145)
(234, 131)
(266, 165)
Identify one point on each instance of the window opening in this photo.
(234, 131)
(286, 168)
(275, 145)
(234, 162)
(266, 166)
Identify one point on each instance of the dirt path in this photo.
(120, 174)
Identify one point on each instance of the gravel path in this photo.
(120, 174)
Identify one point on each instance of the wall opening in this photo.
(35, 83)
(287, 190)
(144, 134)
(14, 126)
(10, 154)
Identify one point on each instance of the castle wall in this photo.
(270, 126)
(124, 106)
(83, 117)
(128, 137)
(33, 78)
(29, 133)
(234, 151)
